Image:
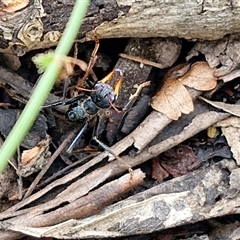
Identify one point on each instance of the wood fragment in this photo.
(230, 76)
(86, 206)
(199, 123)
(117, 19)
(234, 109)
(232, 134)
(183, 200)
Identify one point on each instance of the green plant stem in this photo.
(44, 86)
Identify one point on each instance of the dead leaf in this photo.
(29, 155)
(158, 172)
(200, 77)
(234, 109)
(33, 153)
(173, 99)
(179, 160)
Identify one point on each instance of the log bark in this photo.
(41, 23)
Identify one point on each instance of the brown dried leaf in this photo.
(158, 172)
(34, 153)
(178, 160)
(68, 67)
(29, 155)
(173, 99)
(200, 77)
(74, 61)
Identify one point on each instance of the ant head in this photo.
(104, 95)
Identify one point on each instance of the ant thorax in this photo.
(82, 110)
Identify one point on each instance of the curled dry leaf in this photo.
(200, 77)
(173, 99)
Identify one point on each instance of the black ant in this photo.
(102, 96)
(84, 109)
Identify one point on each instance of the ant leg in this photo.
(91, 63)
(96, 134)
(62, 102)
(108, 149)
(69, 150)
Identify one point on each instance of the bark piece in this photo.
(196, 20)
(223, 53)
(231, 76)
(232, 134)
(201, 195)
(92, 203)
(41, 27)
(234, 109)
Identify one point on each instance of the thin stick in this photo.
(91, 64)
(61, 172)
(141, 60)
(51, 160)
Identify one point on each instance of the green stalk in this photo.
(40, 93)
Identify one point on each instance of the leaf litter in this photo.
(173, 98)
(175, 92)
